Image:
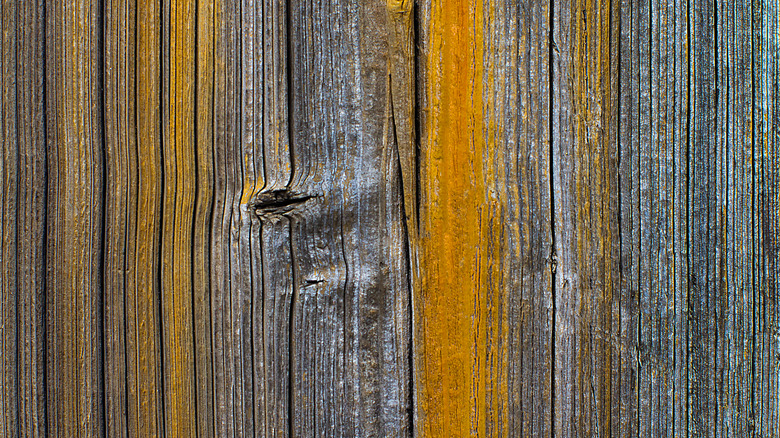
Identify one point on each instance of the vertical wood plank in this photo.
(179, 181)
(227, 113)
(75, 404)
(765, 46)
(8, 256)
(121, 203)
(349, 309)
(483, 292)
(517, 103)
(31, 217)
(589, 339)
(704, 231)
(144, 328)
(455, 262)
(202, 288)
(736, 197)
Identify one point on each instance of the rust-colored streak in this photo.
(458, 243)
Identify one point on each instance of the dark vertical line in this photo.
(752, 414)
(44, 257)
(406, 255)
(128, 214)
(263, 264)
(251, 240)
(289, 64)
(16, 231)
(210, 218)
(619, 169)
(259, 237)
(195, 215)
(714, 128)
(102, 264)
(417, 49)
(553, 240)
(291, 334)
(161, 206)
(688, 225)
(416, 114)
(135, 212)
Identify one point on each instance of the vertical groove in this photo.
(103, 233)
(688, 228)
(554, 252)
(289, 63)
(161, 206)
(16, 232)
(291, 337)
(752, 413)
(415, 102)
(710, 281)
(194, 215)
(289, 67)
(45, 204)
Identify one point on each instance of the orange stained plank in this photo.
(458, 247)
(178, 210)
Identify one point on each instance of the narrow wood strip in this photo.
(227, 113)
(121, 198)
(144, 331)
(681, 136)
(202, 288)
(459, 294)
(517, 108)
(349, 311)
(9, 169)
(31, 219)
(704, 231)
(177, 216)
(75, 402)
(588, 338)
(765, 363)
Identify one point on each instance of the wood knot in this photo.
(278, 202)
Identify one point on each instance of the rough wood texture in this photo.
(389, 218)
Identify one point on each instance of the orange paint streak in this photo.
(460, 230)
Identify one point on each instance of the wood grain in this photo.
(74, 311)
(593, 352)
(179, 179)
(10, 171)
(389, 218)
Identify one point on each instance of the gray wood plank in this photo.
(765, 363)
(589, 338)
(8, 235)
(517, 107)
(121, 204)
(350, 319)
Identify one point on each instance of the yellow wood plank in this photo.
(459, 383)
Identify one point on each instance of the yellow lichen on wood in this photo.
(459, 382)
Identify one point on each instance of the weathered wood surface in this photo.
(389, 218)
